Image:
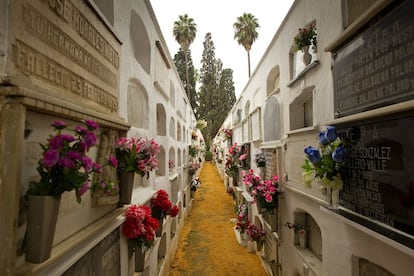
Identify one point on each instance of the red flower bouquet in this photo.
(255, 233)
(162, 206)
(139, 226)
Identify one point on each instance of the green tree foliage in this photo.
(216, 95)
(245, 33)
(180, 63)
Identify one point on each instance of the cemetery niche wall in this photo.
(379, 176)
(374, 70)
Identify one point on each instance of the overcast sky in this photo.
(218, 17)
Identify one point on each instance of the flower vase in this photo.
(243, 238)
(139, 259)
(259, 245)
(302, 238)
(41, 224)
(266, 207)
(157, 214)
(334, 198)
(251, 246)
(307, 57)
(126, 184)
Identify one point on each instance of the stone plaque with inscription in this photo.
(379, 175)
(103, 259)
(65, 50)
(376, 68)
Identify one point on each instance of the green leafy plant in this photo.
(305, 37)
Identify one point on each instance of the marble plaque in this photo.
(64, 49)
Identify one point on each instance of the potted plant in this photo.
(139, 228)
(326, 164)
(232, 160)
(265, 191)
(135, 155)
(242, 222)
(64, 166)
(300, 231)
(228, 133)
(161, 206)
(260, 159)
(305, 38)
(171, 165)
(193, 169)
(192, 150)
(256, 234)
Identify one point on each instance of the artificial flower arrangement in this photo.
(296, 227)
(193, 169)
(193, 150)
(139, 227)
(260, 159)
(255, 233)
(232, 160)
(326, 166)
(171, 164)
(65, 165)
(162, 206)
(265, 191)
(227, 132)
(305, 37)
(137, 155)
(242, 218)
(244, 158)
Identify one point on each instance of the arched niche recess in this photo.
(178, 131)
(247, 109)
(313, 233)
(179, 163)
(161, 162)
(161, 120)
(271, 120)
(137, 104)
(141, 45)
(272, 82)
(172, 127)
(171, 155)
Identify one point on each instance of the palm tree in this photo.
(184, 32)
(245, 32)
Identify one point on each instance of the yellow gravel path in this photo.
(207, 245)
